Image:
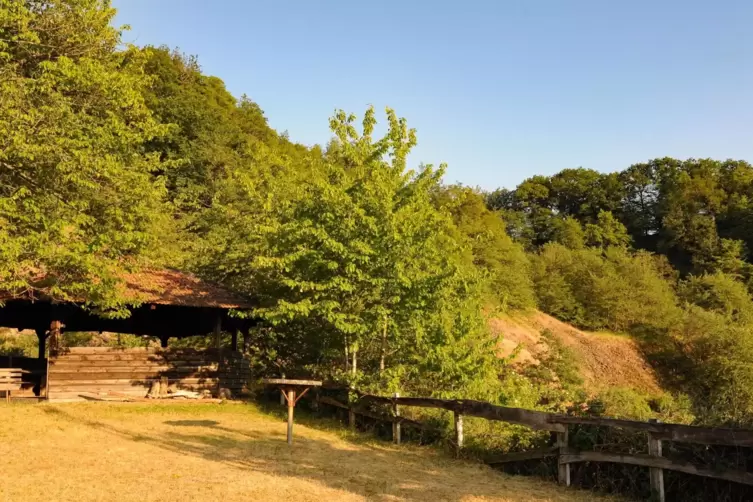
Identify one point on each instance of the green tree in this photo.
(350, 252)
(79, 198)
(504, 262)
(606, 232)
(604, 289)
(569, 232)
(720, 293)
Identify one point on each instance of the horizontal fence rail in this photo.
(558, 424)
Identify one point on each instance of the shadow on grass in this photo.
(366, 470)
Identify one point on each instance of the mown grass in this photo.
(228, 452)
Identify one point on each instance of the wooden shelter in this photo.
(166, 304)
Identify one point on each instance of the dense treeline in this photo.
(659, 250)
(115, 157)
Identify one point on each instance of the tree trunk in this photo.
(354, 365)
(384, 346)
(347, 355)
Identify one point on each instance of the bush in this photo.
(18, 344)
(622, 402)
(614, 289)
(720, 293)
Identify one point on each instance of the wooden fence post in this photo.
(656, 474)
(291, 406)
(563, 470)
(396, 423)
(458, 433)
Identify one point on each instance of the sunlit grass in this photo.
(228, 452)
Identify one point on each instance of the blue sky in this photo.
(500, 90)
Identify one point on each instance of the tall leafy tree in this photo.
(504, 263)
(352, 244)
(79, 197)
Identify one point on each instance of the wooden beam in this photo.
(365, 413)
(519, 456)
(289, 382)
(742, 477)
(669, 432)
(534, 419)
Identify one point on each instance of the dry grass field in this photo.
(226, 452)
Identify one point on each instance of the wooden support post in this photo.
(351, 411)
(56, 328)
(234, 343)
(563, 470)
(315, 403)
(656, 474)
(218, 331)
(396, 424)
(291, 406)
(458, 433)
(42, 338)
(352, 418)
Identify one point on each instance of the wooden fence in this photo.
(558, 425)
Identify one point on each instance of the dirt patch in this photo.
(606, 359)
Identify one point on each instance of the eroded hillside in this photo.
(605, 359)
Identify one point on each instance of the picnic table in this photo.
(289, 389)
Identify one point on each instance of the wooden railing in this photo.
(558, 425)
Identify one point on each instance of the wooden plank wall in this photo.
(131, 371)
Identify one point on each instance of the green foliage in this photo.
(504, 263)
(615, 290)
(622, 402)
(606, 232)
(715, 358)
(557, 376)
(719, 293)
(18, 344)
(114, 157)
(697, 212)
(79, 199)
(359, 274)
(569, 232)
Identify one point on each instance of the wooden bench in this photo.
(10, 380)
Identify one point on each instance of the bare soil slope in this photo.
(605, 359)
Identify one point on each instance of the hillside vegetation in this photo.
(364, 271)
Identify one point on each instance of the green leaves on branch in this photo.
(79, 199)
